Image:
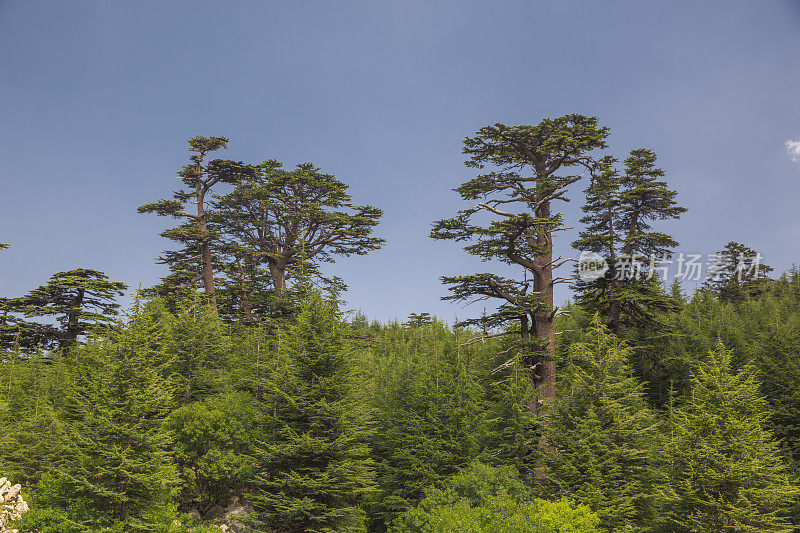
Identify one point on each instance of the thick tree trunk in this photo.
(277, 271)
(73, 317)
(545, 330)
(544, 319)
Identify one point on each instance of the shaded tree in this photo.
(512, 220)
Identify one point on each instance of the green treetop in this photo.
(313, 460)
(603, 433)
(737, 272)
(726, 472)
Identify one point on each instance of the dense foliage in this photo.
(261, 404)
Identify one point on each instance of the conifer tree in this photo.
(430, 413)
(604, 433)
(514, 432)
(82, 300)
(726, 470)
(34, 438)
(517, 198)
(116, 471)
(620, 209)
(292, 220)
(418, 320)
(737, 272)
(313, 464)
(197, 346)
(194, 261)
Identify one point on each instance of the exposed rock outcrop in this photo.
(11, 505)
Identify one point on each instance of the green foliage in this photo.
(726, 473)
(489, 499)
(620, 209)
(197, 345)
(429, 405)
(81, 300)
(603, 435)
(116, 471)
(212, 441)
(313, 462)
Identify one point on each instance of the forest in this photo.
(240, 393)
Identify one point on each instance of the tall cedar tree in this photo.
(294, 219)
(194, 262)
(726, 472)
(520, 228)
(620, 209)
(604, 433)
(737, 273)
(82, 300)
(313, 468)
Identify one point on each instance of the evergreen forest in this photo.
(241, 393)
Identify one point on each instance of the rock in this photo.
(12, 506)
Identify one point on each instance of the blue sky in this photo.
(99, 97)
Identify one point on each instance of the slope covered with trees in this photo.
(240, 392)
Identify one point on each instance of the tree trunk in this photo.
(544, 320)
(277, 271)
(205, 249)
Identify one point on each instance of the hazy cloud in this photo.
(793, 149)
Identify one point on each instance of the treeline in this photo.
(322, 423)
(238, 391)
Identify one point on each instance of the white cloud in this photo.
(793, 149)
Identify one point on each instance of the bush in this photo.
(487, 499)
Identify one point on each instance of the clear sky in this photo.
(98, 98)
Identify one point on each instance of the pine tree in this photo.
(197, 347)
(512, 220)
(620, 209)
(737, 273)
(313, 465)
(514, 432)
(116, 472)
(727, 474)
(82, 300)
(194, 261)
(290, 221)
(603, 433)
(430, 413)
